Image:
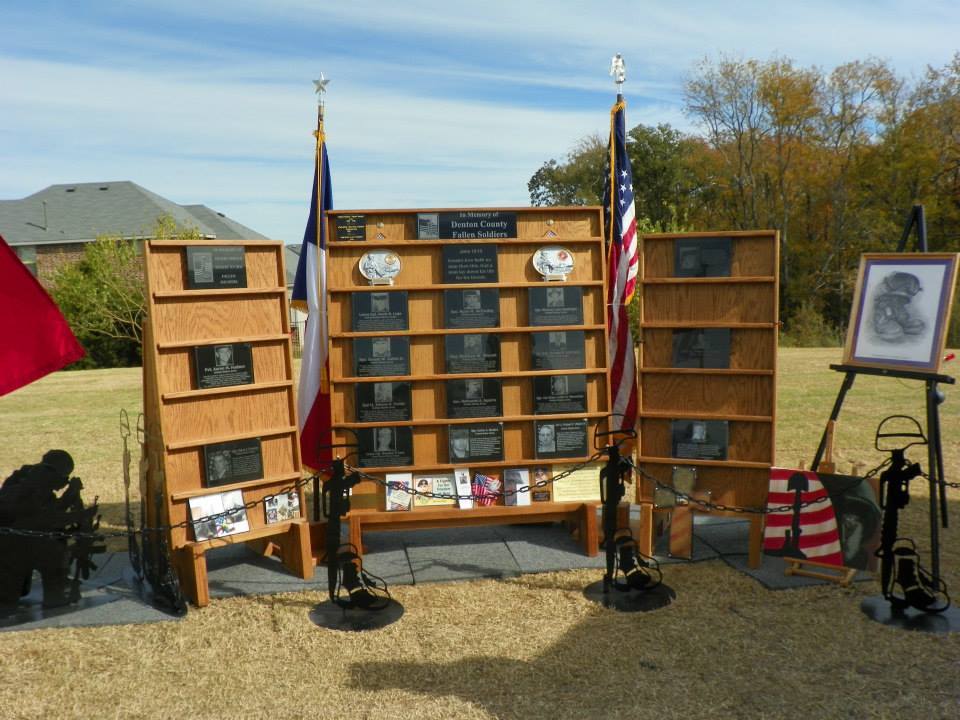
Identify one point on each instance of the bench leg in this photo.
(191, 564)
(295, 547)
(645, 539)
(355, 536)
(588, 529)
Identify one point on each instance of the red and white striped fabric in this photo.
(819, 534)
(484, 488)
(623, 263)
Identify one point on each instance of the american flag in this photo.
(485, 489)
(623, 262)
(819, 536)
(309, 293)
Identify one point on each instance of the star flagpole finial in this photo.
(618, 72)
(320, 87)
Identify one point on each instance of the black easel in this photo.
(934, 397)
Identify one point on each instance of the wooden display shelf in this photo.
(694, 415)
(736, 280)
(472, 420)
(682, 324)
(289, 479)
(228, 390)
(217, 292)
(180, 344)
(453, 376)
(489, 465)
(514, 330)
(461, 286)
(582, 515)
(706, 371)
(478, 241)
(705, 463)
(197, 442)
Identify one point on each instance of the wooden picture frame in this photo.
(901, 310)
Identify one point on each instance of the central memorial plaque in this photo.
(381, 356)
(558, 350)
(702, 257)
(700, 439)
(555, 305)
(474, 397)
(561, 438)
(474, 353)
(701, 348)
(383, 401)
(223, 365)
(385, 446)
(379, 311)
(467, 264)
(216, 266)
(232, 462)
(481, 442)
(474, 308)
(466, 225)
(556, 394)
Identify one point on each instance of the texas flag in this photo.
(35, 339)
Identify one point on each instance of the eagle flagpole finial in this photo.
(618, 72)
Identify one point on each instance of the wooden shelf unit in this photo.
(580, 229)
(744, 394)
(180, 419)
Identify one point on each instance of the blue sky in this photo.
(430, 104)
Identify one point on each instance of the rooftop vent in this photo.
(70, 190)
(103, 187)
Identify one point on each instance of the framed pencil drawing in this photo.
(901, 308)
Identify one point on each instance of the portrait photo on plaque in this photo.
(379, 310)
(216, 266)
(555, 305)
(558, 350)
(473, 308)
(468, 264)
(471, 353)
(701, 348)
(383, 401)
(475, 443)
(699, 439)
(474, 397)
(385, 446)
(702, 257)
(561, 438)
(231, 462)
(556, 394)
(381, 356)
(223, 365)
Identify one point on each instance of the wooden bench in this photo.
(582, 516)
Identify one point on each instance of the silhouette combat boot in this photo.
(364, 591)
(635, 571)
(910, 586)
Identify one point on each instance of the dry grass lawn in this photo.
(529, 647)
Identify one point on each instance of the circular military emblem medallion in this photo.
(553, 261)
(379, 266)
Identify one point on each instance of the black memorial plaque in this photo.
(475, 443)
(467, 225)
(467, 264)
(474, 397)
(561, 439)
(383, 401)
(474, 308)
(223, 365)
(385, 446)
(474, 353)
(351, 227)
(232, 462)
(699, 439)
(374, 311)
(701, 348)
(555, 394)
(702, 257)
(216, 266)
(555, 305)
(558, 350)
(381, 356)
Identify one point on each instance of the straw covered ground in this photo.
(528, 647)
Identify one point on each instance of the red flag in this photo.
(35, 340)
